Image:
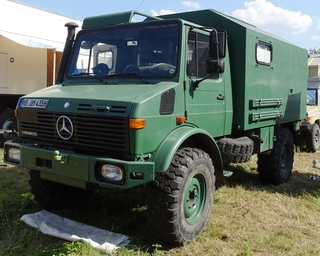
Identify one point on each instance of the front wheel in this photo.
(52, 195)
(180, 200)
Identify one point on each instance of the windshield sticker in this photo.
(132, 43)
(34, 103)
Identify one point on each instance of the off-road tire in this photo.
(180, 200)
(276, 167)
(312, 138)
(52, 195)
(7, 120)
(236, 150)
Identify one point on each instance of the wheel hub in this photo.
(194, 199)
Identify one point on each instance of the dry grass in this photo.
(251, 218)
(248, 218)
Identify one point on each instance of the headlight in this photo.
(112, 173)
(13, 155)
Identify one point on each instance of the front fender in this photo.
(187, 136)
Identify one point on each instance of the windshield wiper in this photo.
(81, 74)
(129, 75)
(113, 75)
(92, 75)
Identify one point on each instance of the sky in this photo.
(295, 21)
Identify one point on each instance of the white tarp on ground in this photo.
(60, 227)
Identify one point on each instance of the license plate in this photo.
(34, 103)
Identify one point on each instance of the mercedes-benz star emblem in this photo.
(64, 127)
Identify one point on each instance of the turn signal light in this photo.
(308, 118)
(181, 119)
(137, 123)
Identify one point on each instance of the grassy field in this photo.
(248, 217)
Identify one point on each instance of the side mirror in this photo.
(217, 44)
(217, 51)
(215, 66)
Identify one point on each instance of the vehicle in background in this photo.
(23, 70)
(30, 53)
(310, 127)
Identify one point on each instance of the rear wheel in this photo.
(52, 195)
(312, 138)
(276, 167)
(180, 200)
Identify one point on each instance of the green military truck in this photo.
(166, 102)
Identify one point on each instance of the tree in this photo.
(314, 50)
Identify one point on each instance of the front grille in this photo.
(91, 133)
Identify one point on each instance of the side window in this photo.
(197, 54)
(105, 54)
(312, 98)
(105, 57)
(263, 53)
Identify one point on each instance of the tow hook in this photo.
(227, 173)
(63, 159)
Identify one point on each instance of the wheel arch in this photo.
(188, 137)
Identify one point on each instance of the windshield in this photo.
(144, 51)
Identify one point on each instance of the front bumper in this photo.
(78, 170)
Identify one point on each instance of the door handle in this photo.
(220, 97)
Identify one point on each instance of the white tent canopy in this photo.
(32, 26)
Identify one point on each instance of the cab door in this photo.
(205, 100)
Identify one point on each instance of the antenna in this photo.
(140, 5)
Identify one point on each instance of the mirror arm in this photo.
(216, 43)
(197, 82)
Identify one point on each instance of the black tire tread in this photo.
(52, 195)
(164, 195)
(237, 150)
(312, 138)
(269, 165)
